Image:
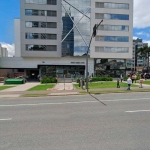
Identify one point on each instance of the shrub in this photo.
(125, 78)
(48, 80)
(78, 80)
(138, 77)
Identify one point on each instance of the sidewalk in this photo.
(61, 90)
(22, 87)
(62, 86)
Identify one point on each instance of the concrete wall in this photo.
(57, 31)
(112, 33)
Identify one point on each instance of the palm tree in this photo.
(144, 53)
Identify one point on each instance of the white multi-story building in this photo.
(138, 62)
(52, 37)
(3, 51)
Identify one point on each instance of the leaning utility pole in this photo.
(93, 35)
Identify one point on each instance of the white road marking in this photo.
(62, 103)
(135, 111)
(126, 100)
(6, 119)
(48, 104)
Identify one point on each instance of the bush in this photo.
(125, 78)
(78, 80)
(48, 80)
(138, 77)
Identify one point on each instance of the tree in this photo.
(144, 52)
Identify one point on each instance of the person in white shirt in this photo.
(129, 82)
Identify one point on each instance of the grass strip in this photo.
(146, 82)
(104, 85)
(5, 87)
(115, 91)
(42, 87)
(33, 95)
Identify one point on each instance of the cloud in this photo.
(141, 14)
(10, 48)
(143, 33)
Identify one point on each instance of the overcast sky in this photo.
(141, 22)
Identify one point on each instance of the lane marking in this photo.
(48, 104)
(138, 111)
(6, 119)
(126, 100)
(62, 103)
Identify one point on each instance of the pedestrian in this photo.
(121, 77)
(141, 82)
(83, 83)
(56, 79)
(129, 82)
(118, 85)
(133, 78)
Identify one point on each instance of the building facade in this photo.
(57, 31)
(3, 51)
(138, 62)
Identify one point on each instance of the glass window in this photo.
(51, 25)
(112, 49)
(111, 5)
(32, 24)
(113, 28)
(30, 47)
(112, 16)
(28, 12)
(32, 36)
(51, 13)
(112, 38)
(52, 2)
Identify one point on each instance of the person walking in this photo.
(133, 78)
(118, 85)
(141, 82)
(129, 82)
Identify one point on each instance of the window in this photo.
(40, 36)
(111, 5)
(113, 28)
(30, 47)
(34, 24)
(51, 13)
(111, 16)
(50, 2)
(112, 49)
(112, 38)
(30, 12)
(51, 25)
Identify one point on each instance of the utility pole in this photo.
(93, 35)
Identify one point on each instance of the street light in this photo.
(93, 35)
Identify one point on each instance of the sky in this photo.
(10, 9)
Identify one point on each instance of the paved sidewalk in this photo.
(62, 86)
(22, 87)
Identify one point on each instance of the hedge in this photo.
(48, 80)
(102, 79)
(94, 79)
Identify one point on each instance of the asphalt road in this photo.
(99, 122)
